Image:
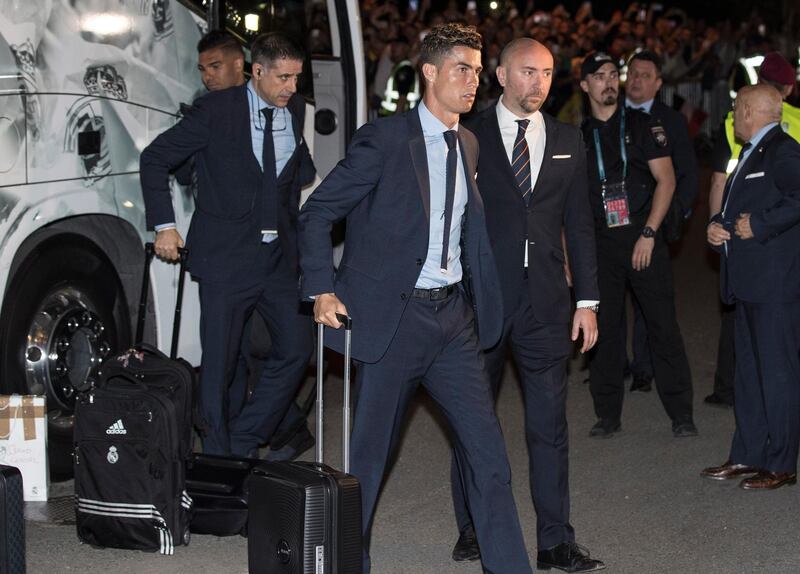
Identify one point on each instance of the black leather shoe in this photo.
(297, 445)
(683, 426)
(467, 546)
(569, 557)
(714, 400)
(642, 384)
(605, 428)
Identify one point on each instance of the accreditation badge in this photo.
(615, 203)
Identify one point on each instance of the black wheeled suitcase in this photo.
(12, 521)
(133, 436)
(305, 518)
(218, 487)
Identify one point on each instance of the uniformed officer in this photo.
(641, 89)
(631, 182)
(402, 88)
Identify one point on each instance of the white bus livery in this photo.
(85, 85)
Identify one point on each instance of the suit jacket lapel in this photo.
(244, 129)
(419, 157)
(551, 137)
(740, 173)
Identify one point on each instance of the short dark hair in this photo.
(267, 48)
(443, 38)
(219, 39)
(647, 56)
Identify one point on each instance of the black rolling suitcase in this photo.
(218, 487)
(305, 518)
(12, 521)
(133, 436)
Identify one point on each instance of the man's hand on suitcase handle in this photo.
(326, 307)
(168, 242)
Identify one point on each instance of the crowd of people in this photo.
(694, 52)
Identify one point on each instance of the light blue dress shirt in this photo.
(432, 275)
(282, 130)
(645, 107)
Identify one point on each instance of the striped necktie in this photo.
(521, 162)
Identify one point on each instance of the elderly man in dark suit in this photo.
(419, 280)
(251, 162)
(532, 178)
(641, 88)
(758, 235)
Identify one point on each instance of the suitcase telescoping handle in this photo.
(348, 331)
(149, 252)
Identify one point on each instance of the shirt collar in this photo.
(760, 134)
(431, 125)
(645, 106)
(506, 117)
(257, 104)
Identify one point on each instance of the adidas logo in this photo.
(117, 428)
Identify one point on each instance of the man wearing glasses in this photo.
(251, 164)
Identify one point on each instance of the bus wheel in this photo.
(63, 316)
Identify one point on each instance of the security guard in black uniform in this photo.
(631, 182)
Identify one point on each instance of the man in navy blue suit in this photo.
(758, 235)
(532, 179)
(251, 162)
(419, 280)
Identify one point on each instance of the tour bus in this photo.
(85, 85)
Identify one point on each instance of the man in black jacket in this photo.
(532, 178)
(641, 88)
(251, 162)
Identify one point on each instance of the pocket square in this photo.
(754, 175)
(565, 156)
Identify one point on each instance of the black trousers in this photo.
(270, 288)
(436, 346)
(540, 352)
(653, 288)
(767, 386)
(255, 348)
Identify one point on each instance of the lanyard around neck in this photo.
(600, 165)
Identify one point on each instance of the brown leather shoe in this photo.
(766, 480)
(727, 471)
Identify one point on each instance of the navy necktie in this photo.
(521, 162)
(449, 192)
(269, 210)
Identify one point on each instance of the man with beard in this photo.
(631, 182)
(532, 178)
(417, 276)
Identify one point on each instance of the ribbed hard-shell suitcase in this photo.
(305, 517)
(12, 521)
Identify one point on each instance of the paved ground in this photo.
(637, 499)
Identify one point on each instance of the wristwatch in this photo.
(648, 232)
(595, 308)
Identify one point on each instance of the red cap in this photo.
(775, 68)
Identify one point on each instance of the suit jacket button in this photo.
(402, 296)
(419, 262)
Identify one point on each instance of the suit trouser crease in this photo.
(436, 345)
(767, 386)
(540, 353)
(653, 288)
(271, 291)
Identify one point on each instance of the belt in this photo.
(435, 294)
